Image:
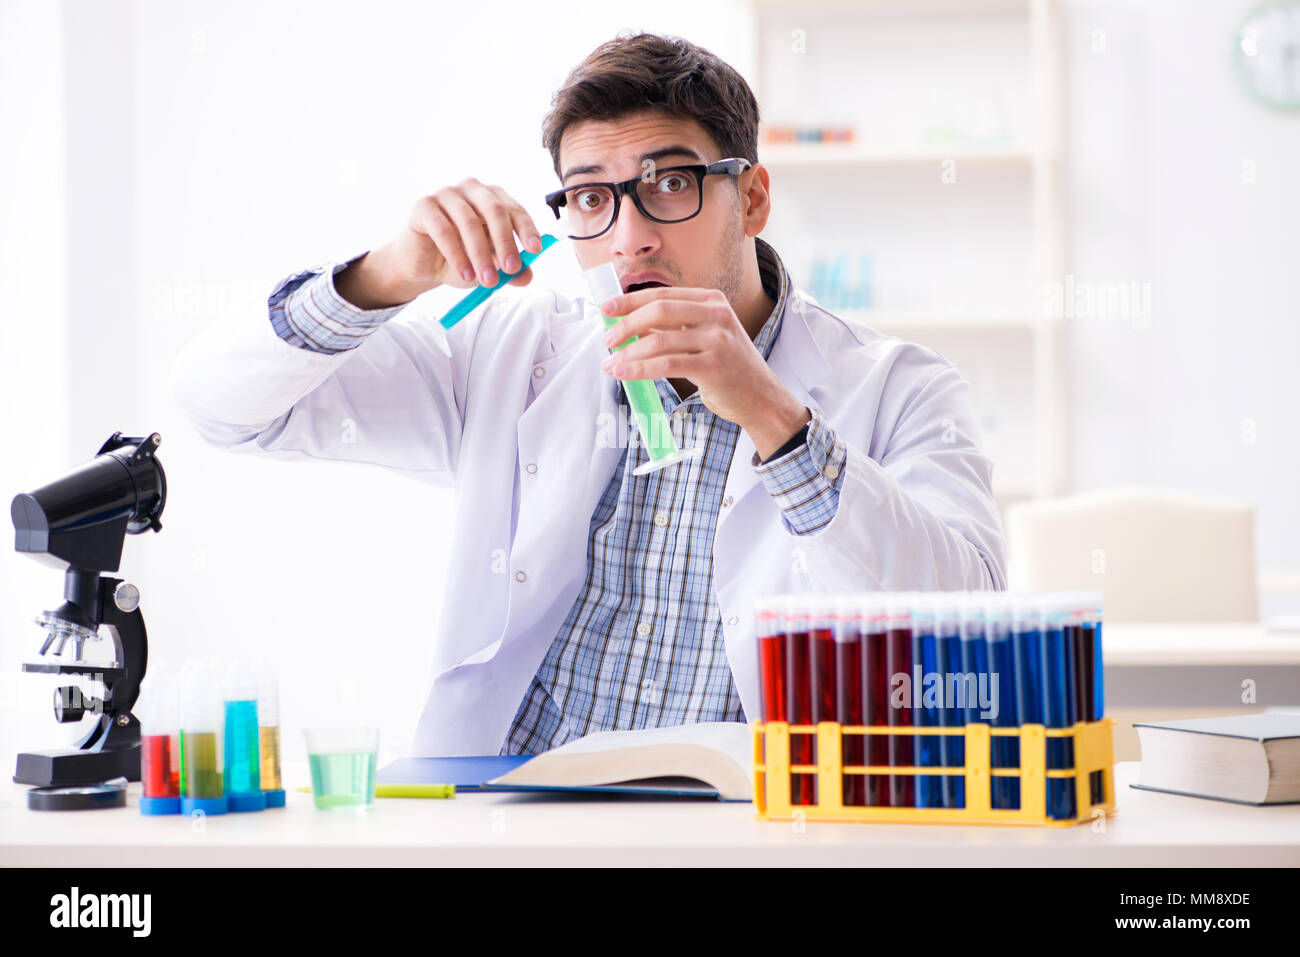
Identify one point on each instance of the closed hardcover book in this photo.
(1245, 758)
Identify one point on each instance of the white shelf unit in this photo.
(971, 90)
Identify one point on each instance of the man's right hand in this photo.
(459, 236)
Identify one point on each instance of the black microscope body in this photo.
(78, 523)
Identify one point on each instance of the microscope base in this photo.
(68, 766)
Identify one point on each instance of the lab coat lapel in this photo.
(800, 364)
(566, 459)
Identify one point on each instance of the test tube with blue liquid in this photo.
(1005, 749)
(243, 761)
(947, 632)
(925, 661)
(1058, 706)
(480, 294)
(642, 394)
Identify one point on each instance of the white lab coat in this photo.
(521, 421)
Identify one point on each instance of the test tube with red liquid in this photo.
(799, 687)
(898, 661)
(849, 673)
(875, 694)
(159, 744)
(823, 660)
(770, 627)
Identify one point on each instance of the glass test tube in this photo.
(1081, 638)
(1091, 625)
(848, 695)
(182, 683)
(1099, 672)
(159, 744)
(642, 394)
(771, 657)
(947, 632)
(201, 727)
(1057, 706)
(875, 694)
(798, 684)
(974, 658)
(1005, 751)
(822, 684)
(898, 662)
(243, 764)
(268, 733)
(925, 661)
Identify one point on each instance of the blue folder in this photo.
(473, 773)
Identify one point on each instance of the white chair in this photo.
(1157, 555)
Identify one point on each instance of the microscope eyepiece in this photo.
(81, 518)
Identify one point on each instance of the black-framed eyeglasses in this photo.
(673, 194)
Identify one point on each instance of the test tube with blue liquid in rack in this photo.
(642, 394)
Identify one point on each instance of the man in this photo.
(584, 597)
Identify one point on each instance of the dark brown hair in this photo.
(645, 71)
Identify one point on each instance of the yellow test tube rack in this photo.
(1093, 751)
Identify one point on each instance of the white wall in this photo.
(36, 394)
(1159, 134)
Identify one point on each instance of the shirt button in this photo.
(726, 502)
(679, 412)
(733, 620)
(643, 629)
(539, 372)
(831, 472)
(520, 576)
(531, 468)
(661, 519)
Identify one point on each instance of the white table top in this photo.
(1197, 643)
(1150, 829)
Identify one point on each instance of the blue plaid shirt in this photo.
(642, 645)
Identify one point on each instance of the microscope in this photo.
(77, 523)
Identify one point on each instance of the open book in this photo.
(715, 757)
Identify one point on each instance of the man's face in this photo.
(702, 252)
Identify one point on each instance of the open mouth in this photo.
(645, 285)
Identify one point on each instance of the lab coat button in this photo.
(531, 468)
(643, 629)
(661, 519)
(539, 371)
(520, 576)
(726, 502)
(733, 620)
(831, 472)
